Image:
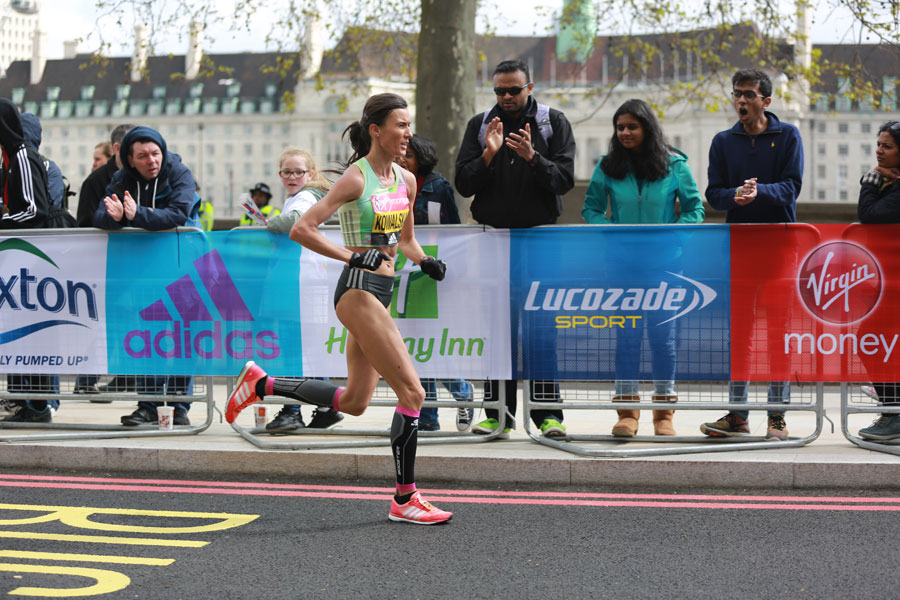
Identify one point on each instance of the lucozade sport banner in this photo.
(815, 302)
(621, 302)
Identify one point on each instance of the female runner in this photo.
(373, 199)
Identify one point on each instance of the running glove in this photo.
(434, 268)
(369, 260)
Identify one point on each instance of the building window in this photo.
(173, 106)
(844, 196)
(248, 170)
(123, 91)
(192, 106)
(820, 194)
(270, 90)
(820, 171)
(248, 107)
(101, 108)
(248, 150)
(267, 129)
(866, 149)
(53, 92)
(87, 92)
(18, 94)
(136, 108)
(865, 127)
(229, 150)
(83, 108)
(196, 90)
(210, 150)
(843, 128)
(248, 129)
(210, 169)
(820, 126)
(843, 149)
(820, 149)
(159, 92)
(842, 172)
(210, 106)
(155, 107)
(863, 169)
(233, 90)
(267, 170)
(267, 149)
(266, 106)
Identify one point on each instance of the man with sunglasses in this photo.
(517, 159)
(755, 173)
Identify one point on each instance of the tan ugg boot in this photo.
(662, 419)
(628, 419)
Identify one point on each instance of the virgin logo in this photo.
(840, 282)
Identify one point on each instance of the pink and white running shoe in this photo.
(418, 511)
(244, 393)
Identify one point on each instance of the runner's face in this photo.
(393, 136)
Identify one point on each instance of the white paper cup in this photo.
(262, 414)
(166, 416)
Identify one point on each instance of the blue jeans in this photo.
(44, 384)
(661, 338)
(162, 384)
(779, 392)
(460, 389)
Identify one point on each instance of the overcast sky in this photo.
(70, 19)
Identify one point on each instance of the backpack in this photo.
(542, 118)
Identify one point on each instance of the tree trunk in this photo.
(445, 78)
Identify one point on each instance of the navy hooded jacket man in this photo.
(167, 200)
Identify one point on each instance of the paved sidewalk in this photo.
(830, 461)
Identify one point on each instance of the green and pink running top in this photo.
(377, 217)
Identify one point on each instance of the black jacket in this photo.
(509, 192)
(23, 177)
(93, 190)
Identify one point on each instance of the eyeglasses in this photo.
(289, 174)
(748, 94)
(512, 91)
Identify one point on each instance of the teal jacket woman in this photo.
(634, 201)
(638, 181)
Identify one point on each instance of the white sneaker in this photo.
(464, 418)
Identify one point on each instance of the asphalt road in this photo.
(130, 537)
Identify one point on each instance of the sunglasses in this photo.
(512, 91)
(295, 174)
(748, 94)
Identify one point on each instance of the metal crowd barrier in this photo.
(854, 401)
(142, 389)
(382, 397)
(692, 396)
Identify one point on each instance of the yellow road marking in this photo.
(107, 581)
(101, 558)
(101, 539)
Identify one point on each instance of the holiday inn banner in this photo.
(743, 302)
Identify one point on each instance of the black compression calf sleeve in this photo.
(404, 438)
(311, 391)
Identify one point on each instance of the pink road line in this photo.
(457, 499)
(491, 493)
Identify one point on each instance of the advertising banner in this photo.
(622, 302)
(458, 327)
(192, 303)
(816, 302)
(52, 311)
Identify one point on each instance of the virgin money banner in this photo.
(815, 302)
(622, 302)
(458, 327)
(52, 303)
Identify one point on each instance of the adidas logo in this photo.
(181, 341)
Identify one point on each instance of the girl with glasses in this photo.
(304, 185)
